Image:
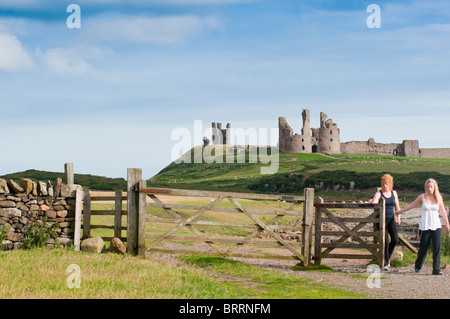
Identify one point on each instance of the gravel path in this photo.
(352, 274)
(397, 283)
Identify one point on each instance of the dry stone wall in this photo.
(27, 202)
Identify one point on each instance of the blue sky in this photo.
(108, 96)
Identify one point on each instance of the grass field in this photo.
(42, 273)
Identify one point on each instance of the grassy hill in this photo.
(328, 174)
(87, 181)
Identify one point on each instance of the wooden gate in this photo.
(117, 211)
(370, 238)
(221, 223)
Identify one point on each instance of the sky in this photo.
(109, 95)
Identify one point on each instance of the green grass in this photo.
(251, 282)
(42, 274)
(297, 171)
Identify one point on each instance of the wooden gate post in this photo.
(308, 212)
(87, 215)
(142, 218)
(78, 217)
(134, 175)
(382, 236)
(68, 171)
(118, 214)
(318, 233)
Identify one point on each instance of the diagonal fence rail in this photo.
(221, 223)
(366, 231)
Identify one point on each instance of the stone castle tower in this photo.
(325, 139)
(329, 136)
(219, 135)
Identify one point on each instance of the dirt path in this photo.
(354, 275)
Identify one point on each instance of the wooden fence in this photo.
(153, 220)
(370, 238)
(117, 212)
(203, 225)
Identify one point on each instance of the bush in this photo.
(38, 233)
(445, 247)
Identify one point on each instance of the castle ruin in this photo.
(219, 135)
(326, 140)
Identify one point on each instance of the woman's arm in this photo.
(414, 204)
(397, 207)
(375, 199)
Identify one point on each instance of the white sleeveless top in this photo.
(430, 216)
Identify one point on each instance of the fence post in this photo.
(87, 215)
(318, 233)
(78, 215)
(382, 236)
(308, 212)
(134, 175)
(142, 219)
(68, 169)
(118, 215)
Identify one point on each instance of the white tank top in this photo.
(430, 216)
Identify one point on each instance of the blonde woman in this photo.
(391, 204)
(430, 225)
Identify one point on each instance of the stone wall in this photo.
(27, 202)
(371, 147)
(435, 152)
(288, 142)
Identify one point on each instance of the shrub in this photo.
(38, 233)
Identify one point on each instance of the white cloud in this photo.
(146, 30)
(13, 56)
(63, 61)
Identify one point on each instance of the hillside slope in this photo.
(335, 175)
(87, 181)
(338, 173)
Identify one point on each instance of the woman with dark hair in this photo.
(430, 224)
(391, 204)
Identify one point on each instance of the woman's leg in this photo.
(436, 238)
(393, 233)
(425, 239)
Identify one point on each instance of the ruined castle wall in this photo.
(220, 136)
(411, 148)
(370, 147)
(288, 142)
(435, 152)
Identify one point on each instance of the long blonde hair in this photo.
(437, 195)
